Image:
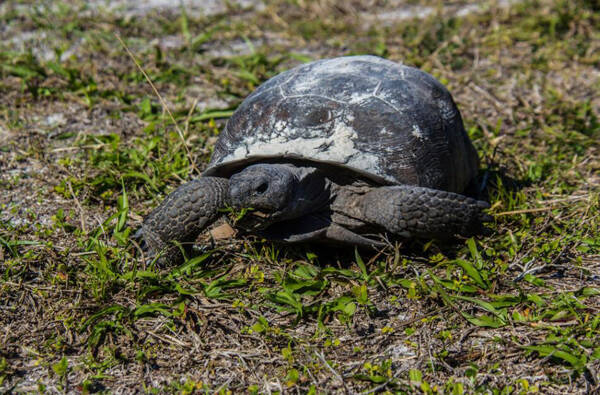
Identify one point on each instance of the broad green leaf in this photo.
(123, 209)
(472, 272)
(376, 379)
(213, 290)
(261, 325)
(415, 376)
(466, 288)
(58, 69)
(501, 314)
(536, 299)
(292, 377)
(61, 367)
(588, 291)
(248, 76)
(152, 309)
(531, 279)
(184, 291)
(187, 267)
(350, 274)
(475, 253)
(21, 71)
(142, 176)
(307, 272)
(361, 265)
(105, 311)
(308, 287)
(500, 301)
(285, 298)
(140, 275)
(361, 294)
(349, 309)
(550, 350)
(483, 320)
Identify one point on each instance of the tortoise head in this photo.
(266, 189)
(277, 192)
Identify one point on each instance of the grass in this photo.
(513, 312)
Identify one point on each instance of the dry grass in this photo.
(86, 150)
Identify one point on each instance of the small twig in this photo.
(490, 96)
(524, 211)
(225, 384)
(168, 339)
(332, 370)
(417, 319)
(101, 225)
(140, 250)
(562, 200)
(550, 205)
(84, 253)
(189, 116)
(162, 101)
(527, 270)
(81, 216)
(534, 270)
(554, 325)
(517, 262)
(93, 146)
(430, 356)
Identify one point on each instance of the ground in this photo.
(87, 148)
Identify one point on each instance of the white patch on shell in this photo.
(340, 145)
(343, 65)
(358, 97)
(307, 82)
(417, 132)
(446, 110)
(386, 132)
(339, 148)
(280, 125)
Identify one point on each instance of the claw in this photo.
(483, 204)
(486, 218)
(139, 234)
(139, 238)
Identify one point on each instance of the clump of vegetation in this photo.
(87, 149)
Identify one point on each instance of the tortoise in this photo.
(345, 150)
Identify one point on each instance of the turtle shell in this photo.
(389, 122)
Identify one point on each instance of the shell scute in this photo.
(382, 119)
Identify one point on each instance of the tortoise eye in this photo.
(262, 188)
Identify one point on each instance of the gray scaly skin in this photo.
(182, 216)
(411, 211)
(296, 204)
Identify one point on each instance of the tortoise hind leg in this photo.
(411, 211)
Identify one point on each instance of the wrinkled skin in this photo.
(295, 204)
(276, 192)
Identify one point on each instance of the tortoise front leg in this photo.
(182, 216)
(411, 211)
